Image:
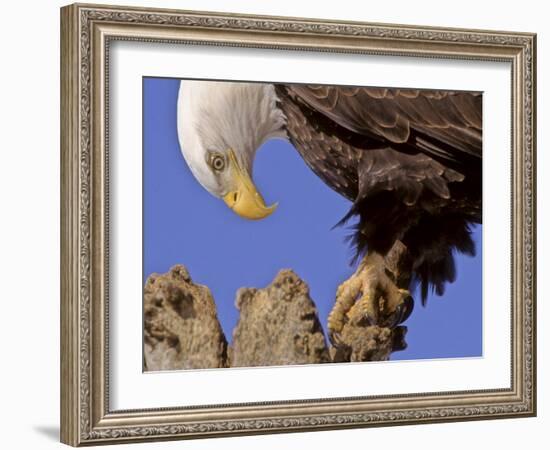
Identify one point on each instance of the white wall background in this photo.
(29, 221)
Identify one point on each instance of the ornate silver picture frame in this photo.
(87, 414)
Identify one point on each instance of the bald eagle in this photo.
(409, 160)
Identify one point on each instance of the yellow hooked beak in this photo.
(245, 200)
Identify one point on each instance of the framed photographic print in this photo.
(275, 224)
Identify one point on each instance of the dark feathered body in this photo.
(409, 160)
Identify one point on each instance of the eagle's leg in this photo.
(375, 294)
(382, 302)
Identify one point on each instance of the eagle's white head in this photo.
(220, 127)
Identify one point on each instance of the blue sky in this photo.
(184, 224)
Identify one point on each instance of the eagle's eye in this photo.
(217, 161)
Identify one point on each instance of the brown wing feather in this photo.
(451, 120)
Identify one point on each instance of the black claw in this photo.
(401, 313)
(406, 308)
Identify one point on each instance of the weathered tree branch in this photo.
(278, 325)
